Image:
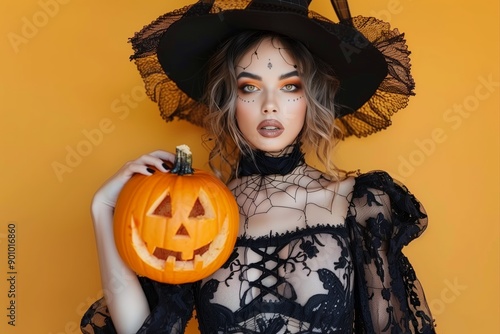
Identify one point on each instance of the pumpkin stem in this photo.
(183, 161)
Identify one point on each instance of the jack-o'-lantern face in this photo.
(175, 229)
(179, 227)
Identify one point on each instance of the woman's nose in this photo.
(270, 104)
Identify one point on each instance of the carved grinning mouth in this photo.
(163, 258)
(163, 253)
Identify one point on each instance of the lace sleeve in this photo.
(171, 308)
(384, 217)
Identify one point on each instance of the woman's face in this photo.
(271, 106)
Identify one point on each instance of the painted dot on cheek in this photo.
(294, 100)
(243, 100)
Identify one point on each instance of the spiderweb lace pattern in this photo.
(296, 279)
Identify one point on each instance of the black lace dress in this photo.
(314, 256)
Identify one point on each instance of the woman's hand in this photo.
(109, 191)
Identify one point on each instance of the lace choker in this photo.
(262, 164)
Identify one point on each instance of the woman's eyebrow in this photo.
(249, 75)
(288, 75)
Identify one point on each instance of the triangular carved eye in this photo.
(197, 210)
(164, 208)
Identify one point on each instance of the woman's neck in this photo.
(268, 163)
(284, 152)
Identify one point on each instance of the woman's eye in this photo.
(249, 88)
(290, 88)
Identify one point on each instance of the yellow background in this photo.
(67, 86)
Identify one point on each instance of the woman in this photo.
(317, 252)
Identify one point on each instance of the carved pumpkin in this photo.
(176, 227)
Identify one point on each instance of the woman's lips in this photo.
(270, 128)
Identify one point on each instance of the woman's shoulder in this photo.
(352, 185)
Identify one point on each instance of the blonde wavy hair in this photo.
(224, 139)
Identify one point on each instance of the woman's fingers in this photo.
(108, 193)
(158, 159)
(163, 155)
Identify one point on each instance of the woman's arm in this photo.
(384, 217)
(124, 296)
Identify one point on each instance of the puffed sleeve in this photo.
(171, 307)
(383, 218)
